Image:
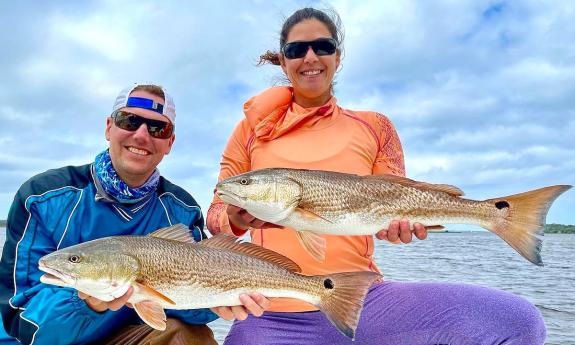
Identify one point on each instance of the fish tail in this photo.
(520, 219)
(343, 297)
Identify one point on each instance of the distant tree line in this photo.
(559, 229)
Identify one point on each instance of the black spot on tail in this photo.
(501, 204)
(328, 283)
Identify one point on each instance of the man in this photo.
(120, 193)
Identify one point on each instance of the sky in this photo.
(482, 93)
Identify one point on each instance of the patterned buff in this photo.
(118, 189)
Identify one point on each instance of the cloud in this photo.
(479, 91)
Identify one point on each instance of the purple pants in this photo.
(408, 314)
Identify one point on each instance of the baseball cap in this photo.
(168, 109)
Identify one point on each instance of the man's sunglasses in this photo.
(320, 46)
(131, 122)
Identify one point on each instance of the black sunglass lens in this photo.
(323, 47)
(160, 131)
(295, 50)
(128, 122)
(131, 122)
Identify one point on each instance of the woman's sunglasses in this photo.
(320, 46)
(131, 122)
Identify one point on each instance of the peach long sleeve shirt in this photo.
(277, 132)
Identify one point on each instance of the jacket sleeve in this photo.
(235, 160)
(36, 312)
(389, 158)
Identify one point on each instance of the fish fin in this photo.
(310, 215)
(313, 244)
(224, 241)
(434, 227)
(151, 313)
(153, 294)
(177, 232)
(343, 296)
(445, 188)
(520, 218)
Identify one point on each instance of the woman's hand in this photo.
(253, 303)
(400, 231)
(240, 218)
(101, 306)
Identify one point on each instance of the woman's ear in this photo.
(282, 62)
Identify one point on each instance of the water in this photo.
(482, 258)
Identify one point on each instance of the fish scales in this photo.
(201, 268)
(335, 196)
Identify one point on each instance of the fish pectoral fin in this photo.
(310, 215)
(153, 294)
(151, 313)
(314, 244)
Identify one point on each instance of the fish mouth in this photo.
(55, 277)
(230, 197)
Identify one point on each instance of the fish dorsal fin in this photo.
(177, 232)
(151, 313)
(445, 188)
(224, 241)
(434, 227)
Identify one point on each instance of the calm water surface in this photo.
(482, 258)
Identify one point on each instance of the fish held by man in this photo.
(168, 270)
(314, 202)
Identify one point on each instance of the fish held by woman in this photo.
(315, 202)
(168, 270)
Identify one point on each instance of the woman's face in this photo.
(311, 75)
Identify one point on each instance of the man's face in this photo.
(135, 155)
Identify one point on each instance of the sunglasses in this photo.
(320, 46)
(131, 122)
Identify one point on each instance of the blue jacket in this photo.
(60, 208)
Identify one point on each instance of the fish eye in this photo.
(245, 181)
(74, 259)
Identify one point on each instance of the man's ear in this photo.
(170, 143)
(108, 128)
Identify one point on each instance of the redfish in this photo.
(168, 270)
(317, 202)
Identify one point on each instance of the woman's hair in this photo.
(329, 18)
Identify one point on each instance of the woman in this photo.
(302, 126)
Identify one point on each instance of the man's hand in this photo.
(242, 219)
(400, 231)
(253, 303)
(101, 306)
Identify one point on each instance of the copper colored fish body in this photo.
(169, 271)
(321, 202)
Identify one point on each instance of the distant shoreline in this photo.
(549, 229)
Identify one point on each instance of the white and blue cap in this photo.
(168, 109)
